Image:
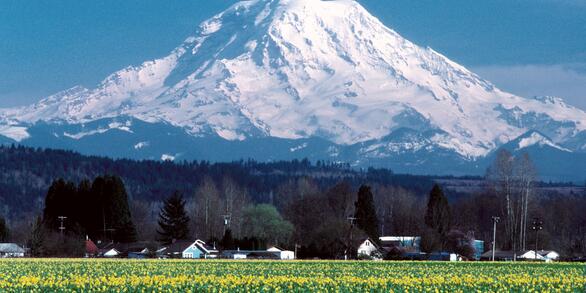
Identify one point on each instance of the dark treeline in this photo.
(26, 174)
(321, 209)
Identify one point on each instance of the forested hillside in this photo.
(27, 173)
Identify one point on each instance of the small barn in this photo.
(283, 253)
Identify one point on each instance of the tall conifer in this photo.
(365, 213)
(173, 220)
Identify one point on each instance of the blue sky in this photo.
(528, 47)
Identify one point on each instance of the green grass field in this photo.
(42, 275)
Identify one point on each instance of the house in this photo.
(251, 254)
(549, 255)
(91, 249)
(124, 250)
(137, 250)
(498, 255)
(11, 250)
(112, 252)
(406, 244)
(188, 249)
(369, 248)
(443, 256)
(274, 252)
(106, 248)
(530, 255)
(283, 254)
(541, 255)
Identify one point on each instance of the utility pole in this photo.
(296, 246)
(61, 226)
(537, 226)
(351, 219)
(227, 219)
(494, 220)
(110, 230)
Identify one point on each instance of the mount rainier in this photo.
(284, 79)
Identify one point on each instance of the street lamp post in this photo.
(537, 226)
(494, 220)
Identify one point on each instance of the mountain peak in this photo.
(300, 69)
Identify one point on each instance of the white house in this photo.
(531, 255)
(368, 248)
(113, 252)
(283, 254)
(549, 255)
(11, 250)
(406, 243)
(542, 255)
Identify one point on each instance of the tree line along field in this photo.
(102, 275)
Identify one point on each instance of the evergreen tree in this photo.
(365, 213)
(437, 216)
(111, 217)
(4, 231)
(119, 211)
(59, 201)
(86, 206)
(173, 220)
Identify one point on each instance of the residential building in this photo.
(498, 255)
(529, 255)
(11, 250)
(369, 248)
(406, 244)
(124, 250)
(549, 255)
(283, 253)
(188, 249)
(91, 249)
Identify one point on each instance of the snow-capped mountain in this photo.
(324, 79)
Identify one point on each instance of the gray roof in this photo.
(500, 254)
(10, 248)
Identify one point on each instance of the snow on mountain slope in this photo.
(534, 138)
(307, 68)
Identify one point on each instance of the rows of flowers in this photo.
(74, 275)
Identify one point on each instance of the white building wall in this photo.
(366, 248)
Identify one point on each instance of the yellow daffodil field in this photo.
(99, 275)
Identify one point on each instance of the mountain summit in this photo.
(300, 71)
